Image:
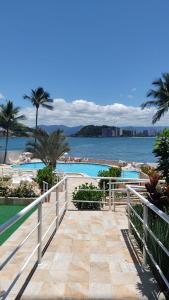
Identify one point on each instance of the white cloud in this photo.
(1, 96)
(83, 112)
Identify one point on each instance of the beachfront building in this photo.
(112, 132)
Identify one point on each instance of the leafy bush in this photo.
(161, 151)
(4, 185)
(112, 172)
(46, 174)
(5, 178)
(87, 192)
(161, 230)
(157, 194)
(150, 171)
(25, 189)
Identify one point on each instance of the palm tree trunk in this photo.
(6, 145)
(36, 126)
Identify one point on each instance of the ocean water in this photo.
(129, 149)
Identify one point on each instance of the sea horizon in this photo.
(136, 149)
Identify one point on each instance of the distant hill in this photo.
(67, 130)
(90, 131)
(95, 131)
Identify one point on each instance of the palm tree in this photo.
(9, 120)
(38, 98)
(48, 147)
(161, 97)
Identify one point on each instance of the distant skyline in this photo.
(97, 58)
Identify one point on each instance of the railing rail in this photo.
(41, 235)
(115, 185)
(146, 229)
(62, 186)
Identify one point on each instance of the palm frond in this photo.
(148, 104)
(50, 107)
(48, 147)
(160, 97)
(157, 116)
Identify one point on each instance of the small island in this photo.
(112, 131)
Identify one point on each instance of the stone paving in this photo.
(90, 258)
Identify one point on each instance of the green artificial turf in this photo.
(8, 211)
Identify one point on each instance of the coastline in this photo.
(112, 149)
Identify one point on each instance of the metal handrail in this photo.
(146, 229)
(159, 212)
(58, 215)
(38, 247)
(28, 208)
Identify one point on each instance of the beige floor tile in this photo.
(100, 291)
(86, 259)
(98, 267)
(78, 276)
(76, 290)
(100, 277)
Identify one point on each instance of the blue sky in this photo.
(101, 51)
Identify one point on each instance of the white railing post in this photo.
(113, 196)
(57, 208)
(66, 194)
(145, 219)
(104, 192)
(40, 232)
(44, 189)
(109, 194)
(128, 211)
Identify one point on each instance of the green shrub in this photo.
(5, 178)
(161, 230)
(4, 185)
(46, 174)
(87, 192)
(161, 151)
(25, 189)
(150, 171)
(112, 172)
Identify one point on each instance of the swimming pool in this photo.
(89, 169)
(130, 174)
(86, 168)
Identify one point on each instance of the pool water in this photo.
(86, 168)
(130, 174)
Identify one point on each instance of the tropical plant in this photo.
(24, 189)
(9, 120)
(39, 97)
(161, 151)
(46, 174)
(156, 193)
(149, 170)
(160, 97)
(161, 230)
(48, 147)
(111, 172)
(85, 193)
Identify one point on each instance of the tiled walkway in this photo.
(90, 258)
